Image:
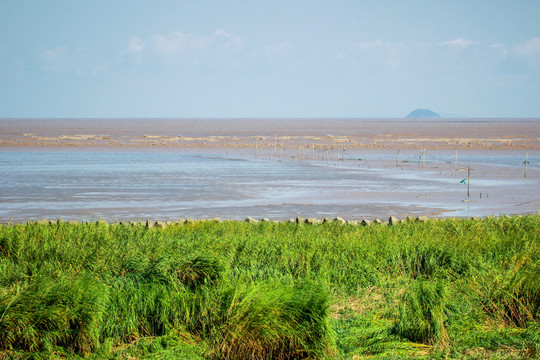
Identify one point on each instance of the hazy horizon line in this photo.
(269, 118)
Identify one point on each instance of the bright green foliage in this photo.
(426, 261)
(520, 296)
(199, 271)
(423, 313)
(276, 322)
(48, 312)
(446, 288)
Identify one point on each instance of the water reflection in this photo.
(169, 185)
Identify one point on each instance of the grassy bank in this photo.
(232, 290)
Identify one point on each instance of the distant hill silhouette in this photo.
(422, 114)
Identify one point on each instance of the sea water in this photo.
(120, 185)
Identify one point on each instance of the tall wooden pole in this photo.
(468, 181)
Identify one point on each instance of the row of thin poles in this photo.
(337, 153)
(320, 152)
(305, 152)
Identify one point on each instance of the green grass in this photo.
(455, 288)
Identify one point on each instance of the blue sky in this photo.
(249, 58)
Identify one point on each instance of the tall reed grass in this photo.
(289, 291)
(423, 313)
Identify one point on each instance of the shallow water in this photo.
(167, 185)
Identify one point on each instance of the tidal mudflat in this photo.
(169, 169)
(167, 185)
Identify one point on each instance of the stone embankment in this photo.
(298, 220)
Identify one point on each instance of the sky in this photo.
(269, 59)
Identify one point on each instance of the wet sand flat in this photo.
(170, 169)
(166, 184)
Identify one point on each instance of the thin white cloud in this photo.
(528, 49)
(388, 46)
(176, 42)
(136, 45)
(54, 60)
(458, 44)
(388, 54)
(283, 48)
(500, 48)
(228, 40)
(78, 61)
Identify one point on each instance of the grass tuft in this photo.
(521, 297)
(423, 313)
(47, 312)
(428, 260)
(199, 271)
(269, 321)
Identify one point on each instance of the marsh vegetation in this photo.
(455, 288)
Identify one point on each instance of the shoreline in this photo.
(160, 224)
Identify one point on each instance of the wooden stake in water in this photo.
(468, 181)
(397, 158)
(526, 162)
(455, 162)
(326, 153)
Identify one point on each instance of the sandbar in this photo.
(488, 134)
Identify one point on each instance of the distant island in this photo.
(422, 114)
